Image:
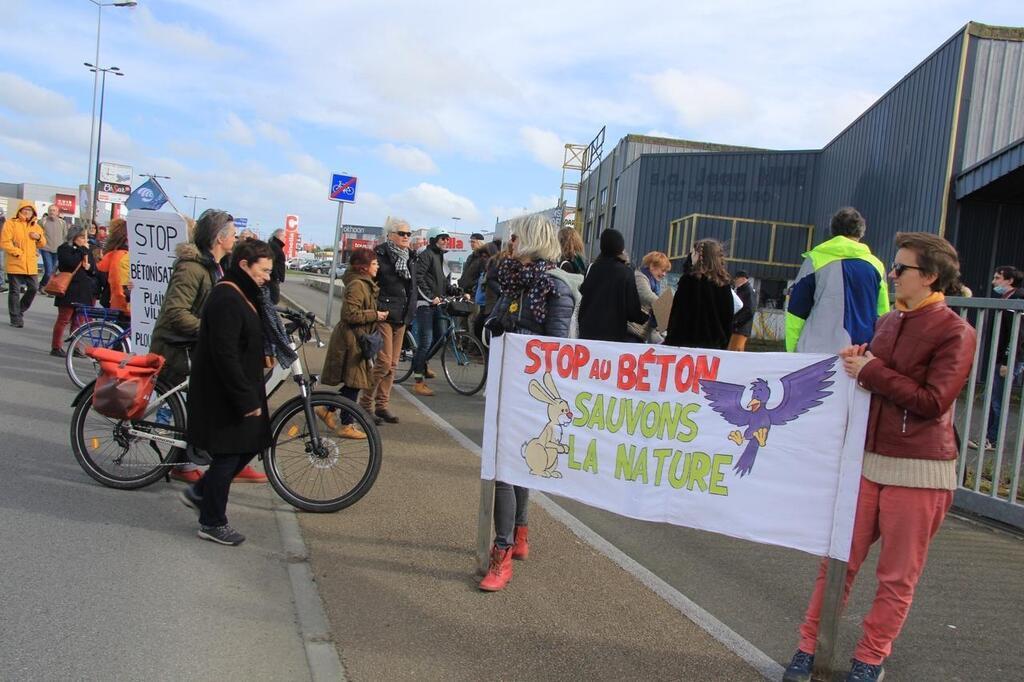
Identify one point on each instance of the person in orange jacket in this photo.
(21, 238)
(117, 264)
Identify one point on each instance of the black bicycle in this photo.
(308, 465)
(463, 357)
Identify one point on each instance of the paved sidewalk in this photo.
(397, 575)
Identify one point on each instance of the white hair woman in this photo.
(543, 305)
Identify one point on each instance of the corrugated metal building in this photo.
(942, 151)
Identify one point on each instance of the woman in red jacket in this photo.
(918, 363)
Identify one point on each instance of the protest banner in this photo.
(153, 237)
(761, 446)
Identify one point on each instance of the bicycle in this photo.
(309, 466)
(463, 357)
(102, 328)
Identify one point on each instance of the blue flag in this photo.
(149, 196)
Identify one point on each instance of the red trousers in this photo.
(64, 314)
(906, 520)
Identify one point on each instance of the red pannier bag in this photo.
(125, 383)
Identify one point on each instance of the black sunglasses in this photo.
(404, 234)
(900, 268)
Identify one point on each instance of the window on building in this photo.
(603, 201)
(615, 193)
(590, 205)
(600, 224)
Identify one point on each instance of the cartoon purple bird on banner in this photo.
(803, 389)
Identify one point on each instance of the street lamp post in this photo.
(456, 219)
(95, 86)
(99, 132)
(195, 200)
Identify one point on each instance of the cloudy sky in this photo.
(442, 109)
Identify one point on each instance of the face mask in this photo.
(1000, 289)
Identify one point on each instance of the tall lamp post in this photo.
(95, 86)
(456, 224)
(195, 200)
(99, 132)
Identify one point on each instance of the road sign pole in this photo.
(334, 263)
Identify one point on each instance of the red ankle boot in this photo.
(521, 546)
(500, 571)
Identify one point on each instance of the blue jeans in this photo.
(997, 400)
(49, 265)
(429, 326)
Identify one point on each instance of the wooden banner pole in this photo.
(828, 623)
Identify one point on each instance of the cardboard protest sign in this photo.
(153, 237)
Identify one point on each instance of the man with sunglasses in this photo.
(839, 292)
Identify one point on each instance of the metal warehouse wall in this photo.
(995, 110)
(768, 186)
(892, 162)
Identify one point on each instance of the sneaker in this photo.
(189, 476)
(351, 432)
(386, 416)
(189, 498)
(420, 388)
(17, 322)
(429, 374)
(865, 672)
(973, 444)
(223, 535)
(250, 475)
(57, 352)
(800, 667)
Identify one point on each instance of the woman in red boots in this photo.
(917, 365)
(530, 275)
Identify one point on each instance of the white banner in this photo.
(152, 237)
(761, 446)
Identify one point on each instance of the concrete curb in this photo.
(314, 629)
(757, 659)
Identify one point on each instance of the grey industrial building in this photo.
(942, 151)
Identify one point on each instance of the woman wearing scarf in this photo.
(227, 399)
(73, 256)
(533, 301)
(918, 363)
(396, 277)
(653, 269)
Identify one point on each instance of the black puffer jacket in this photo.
(397, 295)
(430, 276)
(277, 246)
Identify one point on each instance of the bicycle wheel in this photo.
(465, 363)
(117, 459)
(94, 334)
(404, 369)
(336, 475)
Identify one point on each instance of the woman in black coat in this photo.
(610, 298)
(227, 401)
(73, 256)
(702, 308)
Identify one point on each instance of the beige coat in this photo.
(344, 363)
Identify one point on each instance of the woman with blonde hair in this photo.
(649, 276)
(535, 299)
(702, 309)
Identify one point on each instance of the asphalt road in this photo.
(105, 584)
(965, 623)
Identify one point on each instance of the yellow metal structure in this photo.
(683, 234)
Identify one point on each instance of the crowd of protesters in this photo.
(914, 360)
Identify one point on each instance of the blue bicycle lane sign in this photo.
(343, 188)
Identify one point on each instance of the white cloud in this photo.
(24, 97)
(535, 203)
(546, 147)
(435, 203)
(408, 158)
(237, 131)
(273, 133)
(697, 99)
